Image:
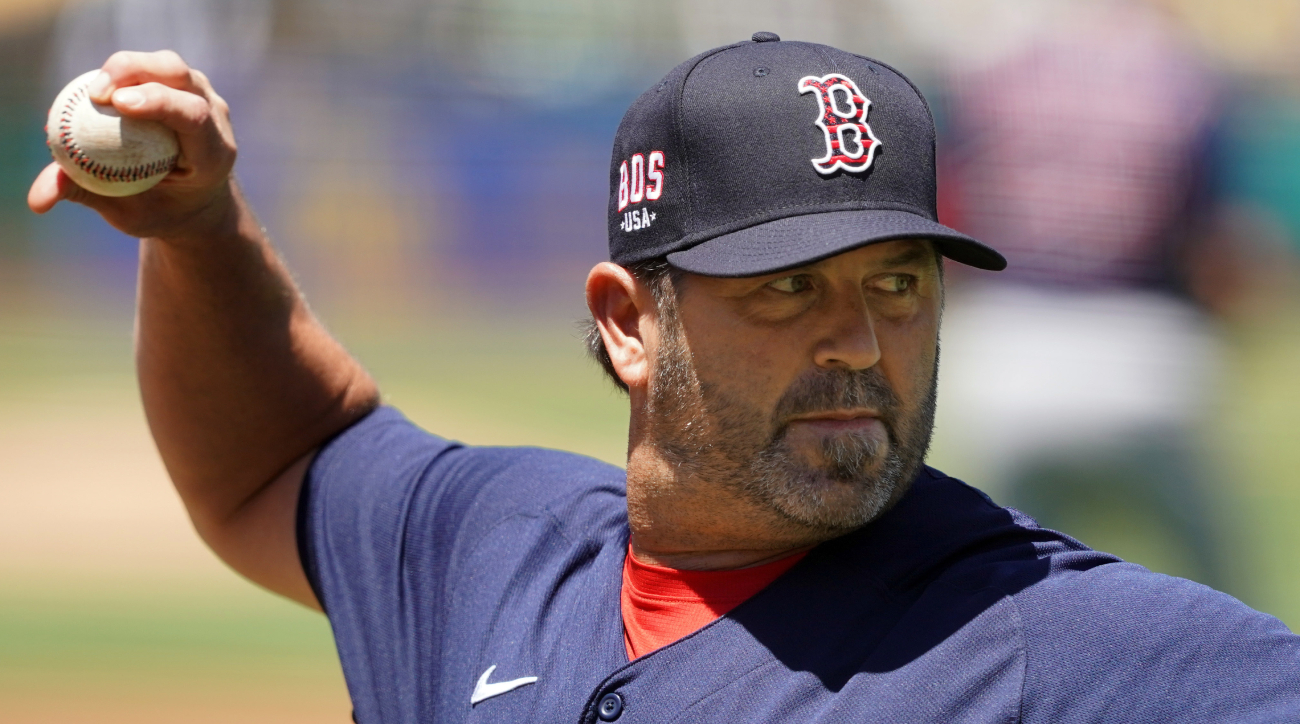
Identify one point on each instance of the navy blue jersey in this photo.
(452, 573)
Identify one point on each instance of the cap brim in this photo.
(796, 241)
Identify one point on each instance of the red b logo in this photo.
(850, 145)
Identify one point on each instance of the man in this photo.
(1081, 377)
(776, 550)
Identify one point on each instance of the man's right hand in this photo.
(196, 198)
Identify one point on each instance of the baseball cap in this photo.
(767, 155)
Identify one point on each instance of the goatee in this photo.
(720, 439)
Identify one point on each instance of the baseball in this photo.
(103, 152)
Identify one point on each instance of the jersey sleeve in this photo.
(1119, 643)
(370, 491)
(389, 519)
(354, 502)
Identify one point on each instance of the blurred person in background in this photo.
(1079, 382)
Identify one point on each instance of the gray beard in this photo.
(724, 441)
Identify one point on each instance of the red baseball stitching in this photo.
(95, 168)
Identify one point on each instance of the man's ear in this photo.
(622, 307)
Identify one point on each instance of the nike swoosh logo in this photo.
(484, 690)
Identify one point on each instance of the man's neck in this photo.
(712, 560)
(679, 521)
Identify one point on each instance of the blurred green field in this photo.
(164, 653)
(110, 611)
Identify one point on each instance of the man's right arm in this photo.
(240, 383)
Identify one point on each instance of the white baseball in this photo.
(103, 152)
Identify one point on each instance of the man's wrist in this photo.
(225, 215)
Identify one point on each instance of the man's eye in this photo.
(791, 284)
(896, 283)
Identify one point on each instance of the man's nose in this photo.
(849, 340)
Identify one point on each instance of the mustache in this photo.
(830, 390)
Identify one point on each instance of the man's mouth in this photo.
(838, 422)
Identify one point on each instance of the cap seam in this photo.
(905, 79)
(929, 112)
(681, 134)
(945, 247)
(821, 52)
(756, 219)
(756, 252)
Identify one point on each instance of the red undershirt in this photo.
(661, 605)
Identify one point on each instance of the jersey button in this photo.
(611, 707)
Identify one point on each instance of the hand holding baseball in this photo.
(103, 151)
(195, 197)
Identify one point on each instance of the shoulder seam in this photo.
(1023, 645)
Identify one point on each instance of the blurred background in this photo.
(1131, 380)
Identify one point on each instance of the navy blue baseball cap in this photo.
(768, 155)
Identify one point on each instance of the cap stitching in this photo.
(821, 52)
(756, 219)
(934, 137)
(681, 134)
(903, 78)
(957, 249)
(750, 220)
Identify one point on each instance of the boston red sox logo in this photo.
(850, 144)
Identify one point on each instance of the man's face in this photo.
(809, 392)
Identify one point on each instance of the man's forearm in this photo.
(238, 378)
(240, 382)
